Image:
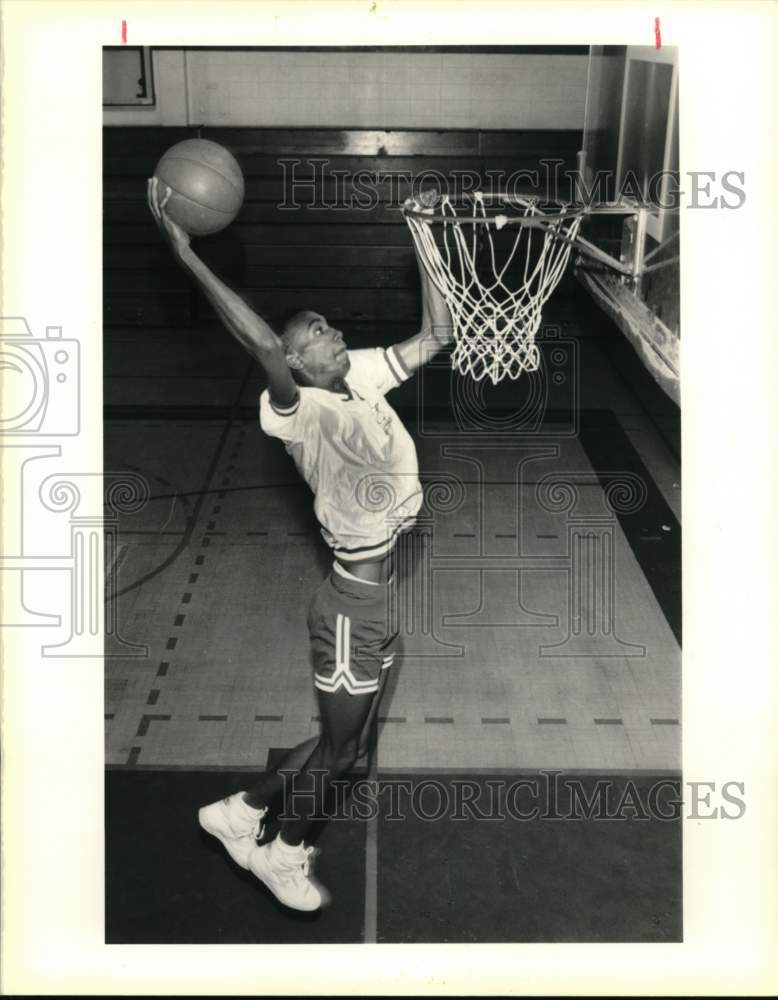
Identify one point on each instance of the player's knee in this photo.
(344, 756)
(340, 755)
(347, 756)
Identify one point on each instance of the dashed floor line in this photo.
(179, 619)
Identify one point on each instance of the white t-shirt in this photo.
(355, 454)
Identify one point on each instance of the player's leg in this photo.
(283, 865)
(271, 784)
(363, 747)
(352, 643)
(230, 819)
(343, 719)
(237, 821)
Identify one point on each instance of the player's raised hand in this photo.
(426, 201)
(158, 196)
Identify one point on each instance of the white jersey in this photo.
(355, 454)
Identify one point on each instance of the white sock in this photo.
(285, 848)
(250, 810)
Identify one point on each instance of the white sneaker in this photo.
(237, 825)
(287, 874)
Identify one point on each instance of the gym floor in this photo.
(541, 631)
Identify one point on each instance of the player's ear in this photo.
(294, 361)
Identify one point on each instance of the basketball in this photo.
(207, 185)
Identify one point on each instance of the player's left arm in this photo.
(437, 329)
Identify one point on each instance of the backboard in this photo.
(630, 151)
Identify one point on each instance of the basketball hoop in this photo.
(496, 312)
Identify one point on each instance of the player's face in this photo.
(321, 347)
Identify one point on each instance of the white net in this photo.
(495, 288)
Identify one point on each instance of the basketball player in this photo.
(326, 403)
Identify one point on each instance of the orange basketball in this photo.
(207, 185)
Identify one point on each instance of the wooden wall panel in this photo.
(355, 264)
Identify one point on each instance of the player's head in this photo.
(315, 351)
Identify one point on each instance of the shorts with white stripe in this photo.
(353, 637)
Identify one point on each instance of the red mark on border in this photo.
(124, 33)
(657, 33)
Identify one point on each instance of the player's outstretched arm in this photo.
(437, 330)
(249, 329)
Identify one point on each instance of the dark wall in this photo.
(354, 264)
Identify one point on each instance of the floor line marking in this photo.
(370, 934)
(485, 772)
(210, 474)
